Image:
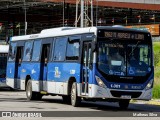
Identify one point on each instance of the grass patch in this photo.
(156, 91)
(156, 47)
(157, 72)
(156, 88)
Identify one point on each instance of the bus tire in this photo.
(66, 99)
(123, 104)
(75, 100)
(29, 93)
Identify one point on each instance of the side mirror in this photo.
(94, 46)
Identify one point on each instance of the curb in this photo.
(151, 102)
(154, 102)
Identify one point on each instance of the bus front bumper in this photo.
(96, 91)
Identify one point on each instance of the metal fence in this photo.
(156, 39)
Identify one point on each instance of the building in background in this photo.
(41, 14)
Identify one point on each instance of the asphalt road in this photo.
(16, 101)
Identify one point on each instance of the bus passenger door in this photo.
(86, 62)
(18, 66)
(44, 66)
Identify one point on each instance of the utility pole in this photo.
(82, 13)
(25, 17)
(63, 12)
(84, 17)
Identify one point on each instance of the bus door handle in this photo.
(90, 66)
(45, 61)
(55, 58)
(19, 62)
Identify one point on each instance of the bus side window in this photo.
(45, 53)
(19, 55)
(27, 51)
(60, 49)
(36, 50)
(73, 48)
(12, 52)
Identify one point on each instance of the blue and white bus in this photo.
(3, 64)
(95, 63)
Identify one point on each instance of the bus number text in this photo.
(115, 86)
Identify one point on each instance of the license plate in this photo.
(126, 96)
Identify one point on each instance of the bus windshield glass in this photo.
(121, 59)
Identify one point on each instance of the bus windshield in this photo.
(123, 59)
(3, 64)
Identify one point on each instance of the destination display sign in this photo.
(124, 35)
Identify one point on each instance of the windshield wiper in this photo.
(134, 48)
(110, 40)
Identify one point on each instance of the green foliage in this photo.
(156, 47)
(156, 91)
(156, 59)
(156, 87)
(157, 72)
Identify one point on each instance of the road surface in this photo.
(16, 101)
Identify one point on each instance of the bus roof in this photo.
(4, 48)
(55, 32)
(62, 31)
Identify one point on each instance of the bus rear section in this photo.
(3, 64)
(48, 64)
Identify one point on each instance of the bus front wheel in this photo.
(75, 100)
(123, 104)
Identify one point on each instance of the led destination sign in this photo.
(123, 35)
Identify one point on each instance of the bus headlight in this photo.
(149, 85)
(100, 82)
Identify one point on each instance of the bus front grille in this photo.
(120, 93)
